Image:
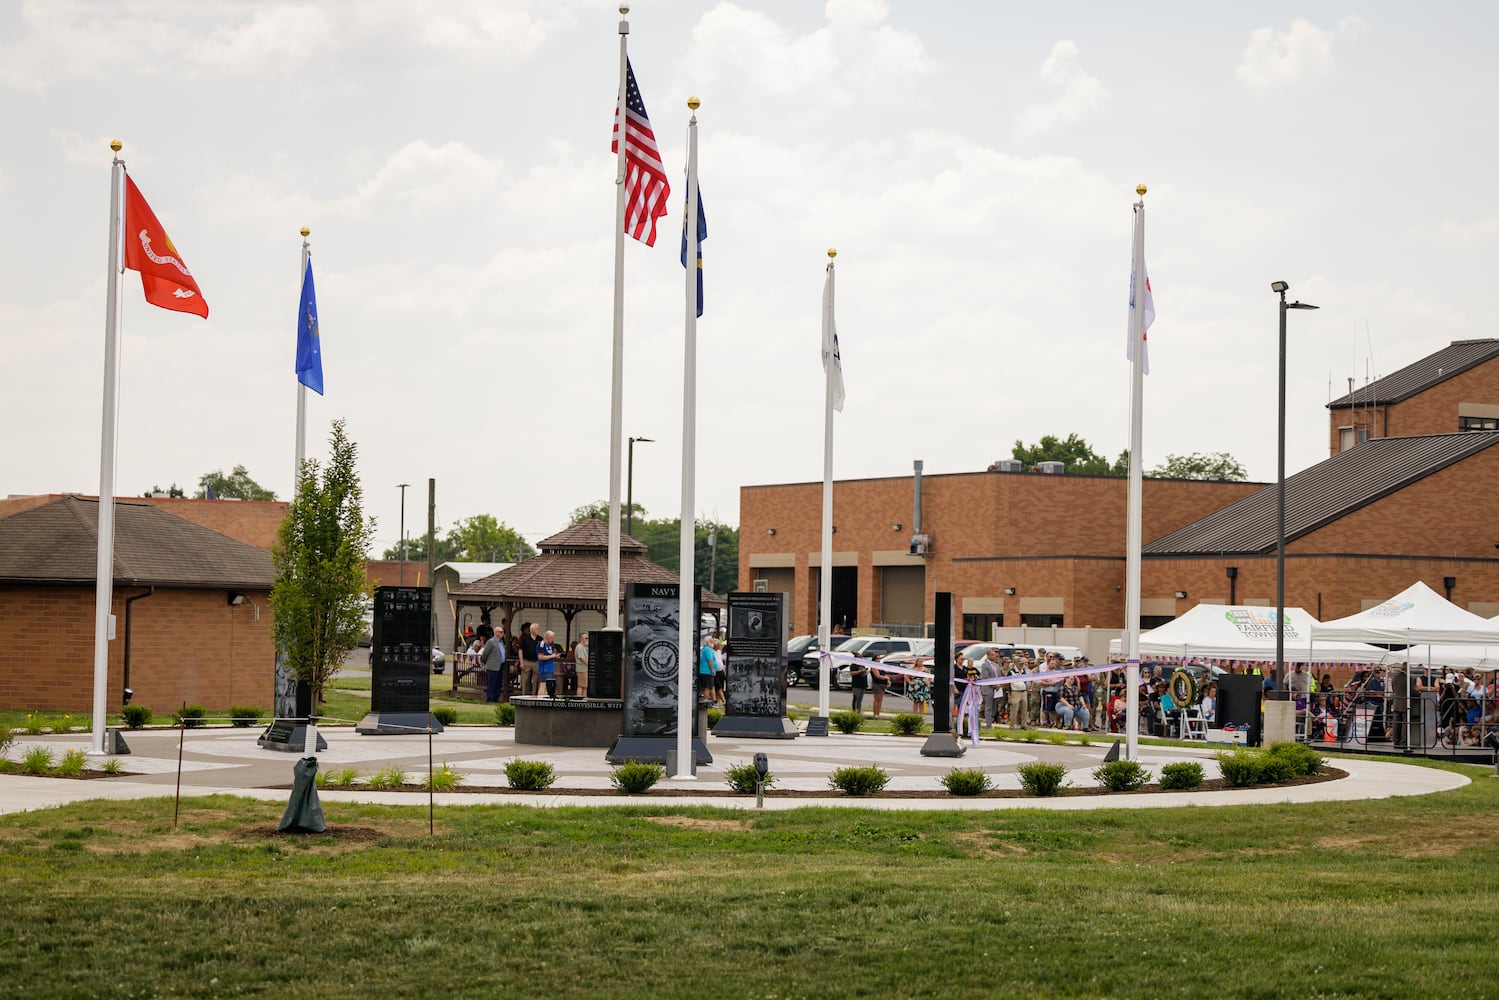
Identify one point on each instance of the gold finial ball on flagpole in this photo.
(306, 232)
(116, 145)
(1140, 190)
(694, 103)
(832, 252)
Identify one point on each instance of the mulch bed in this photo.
(1209, 785)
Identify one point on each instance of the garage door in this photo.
(903, 595)
(775, 581)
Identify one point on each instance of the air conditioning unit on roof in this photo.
(1053, 468)
(1008, 465)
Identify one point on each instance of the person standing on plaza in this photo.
(707, 665)
(720, 675)
(879, 681)
(989, 668)
(530, 638)
(1019, 696)
(492, 659)
(580, 657)
(546, 663)
(858, 682)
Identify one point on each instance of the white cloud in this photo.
(855, 57)
(1467, 234)
(1078, 95)
(63, 40)
(1273, 60)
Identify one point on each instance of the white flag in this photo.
(1138, 271)
(830, 354)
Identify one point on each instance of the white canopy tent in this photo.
(1415, 616)
(1245, 632)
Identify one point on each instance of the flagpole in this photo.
(825, 581)
(617, 371)
(104, 564)
(1138, 278)
(296, 477)
(688, 618)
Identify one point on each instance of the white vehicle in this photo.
(873, 647)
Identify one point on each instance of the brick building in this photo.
(191, 604)
(1021, 547)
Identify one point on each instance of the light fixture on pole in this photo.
(1280, 287)
(402, 487)
(630, 483)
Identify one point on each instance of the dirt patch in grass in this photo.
(981, 843)
(340, 835)
(1434, 838)
(694, 823)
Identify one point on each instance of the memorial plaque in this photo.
(401, 664)
(652, 617)
(756, 668)
(606, 663)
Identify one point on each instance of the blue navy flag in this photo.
(702, 234)
(309, 346)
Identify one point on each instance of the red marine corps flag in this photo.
(164, 277)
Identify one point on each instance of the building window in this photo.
(981, 627)
(1478, 423)
(1041, 620)
(1148, 622)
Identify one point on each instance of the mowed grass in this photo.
(1369, 899)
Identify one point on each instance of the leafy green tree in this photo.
(172, 491)
(599, 511)
(481, 538)
(319, 556)
(1214, 465)
(445, 550)
(1074, 452)
(237, 485)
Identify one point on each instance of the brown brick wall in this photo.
(1431, 412)
(187, 646)
(387, 573)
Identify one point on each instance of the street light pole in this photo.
(403, 532)
(1280, 287)
(630, 483)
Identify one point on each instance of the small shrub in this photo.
(446, 714)
(38, 760)
(869, 780)
(714, 714)
(1241, 768)
(530, 775)
(390, 776)
(966, 781)
(320, 779)
(504, 714)
(72, 764)
(847, 722)
(344, 777)
(1041, 778)
(63, 725)
(111, 766)
(191, 716)
(1180, 775)
(742, 777)
(908, 724)
(135, 716)
(1302, 759)
(1121, 775)
(34, 724)
(1274, 770)
(7, 738)
(636, 776)
(245, 716)
(442, 779)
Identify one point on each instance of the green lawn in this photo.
(1377, 899)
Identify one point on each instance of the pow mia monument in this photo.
(756, 668)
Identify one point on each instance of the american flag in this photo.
(646, 188)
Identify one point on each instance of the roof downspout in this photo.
(129, 601)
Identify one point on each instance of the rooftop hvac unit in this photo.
(1008, 465)
(762, 586)
(1053, 468)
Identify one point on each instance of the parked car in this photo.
(918, 658)
(873, 647)
(796, 648)
(810, 659)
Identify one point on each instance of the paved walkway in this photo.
(229, 761)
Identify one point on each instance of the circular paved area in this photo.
(229, 761)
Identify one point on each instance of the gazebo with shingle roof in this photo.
(570, 574)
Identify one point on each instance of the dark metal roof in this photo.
(1452, 360)
(1317, 496)
(58, 542)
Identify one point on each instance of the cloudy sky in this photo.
(974, 164)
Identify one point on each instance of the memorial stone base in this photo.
(567, 722)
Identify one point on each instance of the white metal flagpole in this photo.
(104, 565)
(617, 371)
(296, 476)
(688, 617)
(1136, 484)
(825, 589)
